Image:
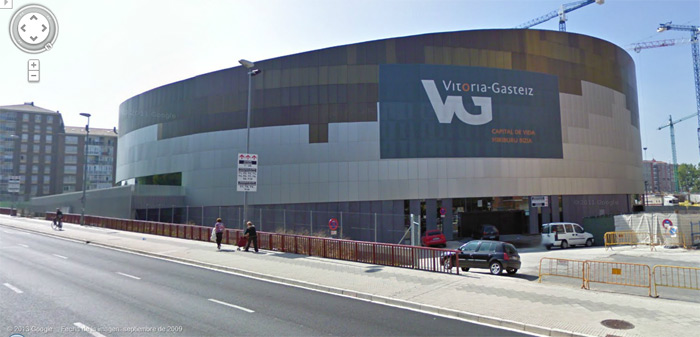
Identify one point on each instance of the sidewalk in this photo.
(516, 302)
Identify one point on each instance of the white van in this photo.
(565, 235)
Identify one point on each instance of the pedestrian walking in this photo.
(219, 232)
(251, 235)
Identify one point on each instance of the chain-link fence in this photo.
(376, 227)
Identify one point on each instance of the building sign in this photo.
(429, 111)
(539, 201)
(247, 172)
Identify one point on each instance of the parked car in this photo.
(493, 255)
(487, 232)
(435, 238)
(565, 235)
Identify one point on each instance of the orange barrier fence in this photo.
(619, 273)
(676, 277)
(629, 238)
(422, 258)
(561, 267)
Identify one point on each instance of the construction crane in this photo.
(694, 32)
(670, 124)
(561, 13)
(637, 47)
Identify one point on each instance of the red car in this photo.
(434, 238)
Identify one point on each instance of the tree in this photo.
(689, 177)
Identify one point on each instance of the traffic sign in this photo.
(247, 172)
(333, 224)
(667, 223)
(13, 184)
(443, 211)
(673, 231)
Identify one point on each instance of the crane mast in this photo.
(694, 33)
(671, 123)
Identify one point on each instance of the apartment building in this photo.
(659, 177)
(29, 144)
(101, 158)
(47, 156)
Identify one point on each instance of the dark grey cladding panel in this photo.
(570, 57)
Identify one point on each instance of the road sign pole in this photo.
(375, 227)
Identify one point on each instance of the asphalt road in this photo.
(50, 286)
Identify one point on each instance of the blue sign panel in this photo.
(431, 111)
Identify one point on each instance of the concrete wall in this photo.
(115, 202)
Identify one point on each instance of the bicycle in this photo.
(57, 224)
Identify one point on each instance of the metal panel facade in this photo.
(321, 140)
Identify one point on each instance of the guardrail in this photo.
(676, 277)
(404, 256)
(629, 238)
(562, 268)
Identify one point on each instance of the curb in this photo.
(445, 312)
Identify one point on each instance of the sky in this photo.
(109, 51)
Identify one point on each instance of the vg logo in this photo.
(454, 105)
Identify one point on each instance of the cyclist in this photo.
(57, 221)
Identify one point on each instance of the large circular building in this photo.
(509, 127)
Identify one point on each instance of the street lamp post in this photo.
(87, 136)
(13, 206)
(645, 180)
(251, 72)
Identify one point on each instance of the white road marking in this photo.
(127, 275)
(232, 306)
(15, 289)
(61, 256)
(339, 292)
(88, 329)
(25, 246)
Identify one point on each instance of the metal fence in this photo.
(617, 273)
(413, 257)
(562, 268)
(364, 226)
(676, 277)
(630, 238)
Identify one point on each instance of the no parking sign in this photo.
(667, 223)
(333, 225)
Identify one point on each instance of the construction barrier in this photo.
(405, 256)
(618, 273)
(629, 238)
(562, 268)
(676, 277)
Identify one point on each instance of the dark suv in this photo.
(493, 255)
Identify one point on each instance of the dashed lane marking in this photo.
(13, 288)
(61, 256)
(88, 329)
(127, 275)
(232, 305)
